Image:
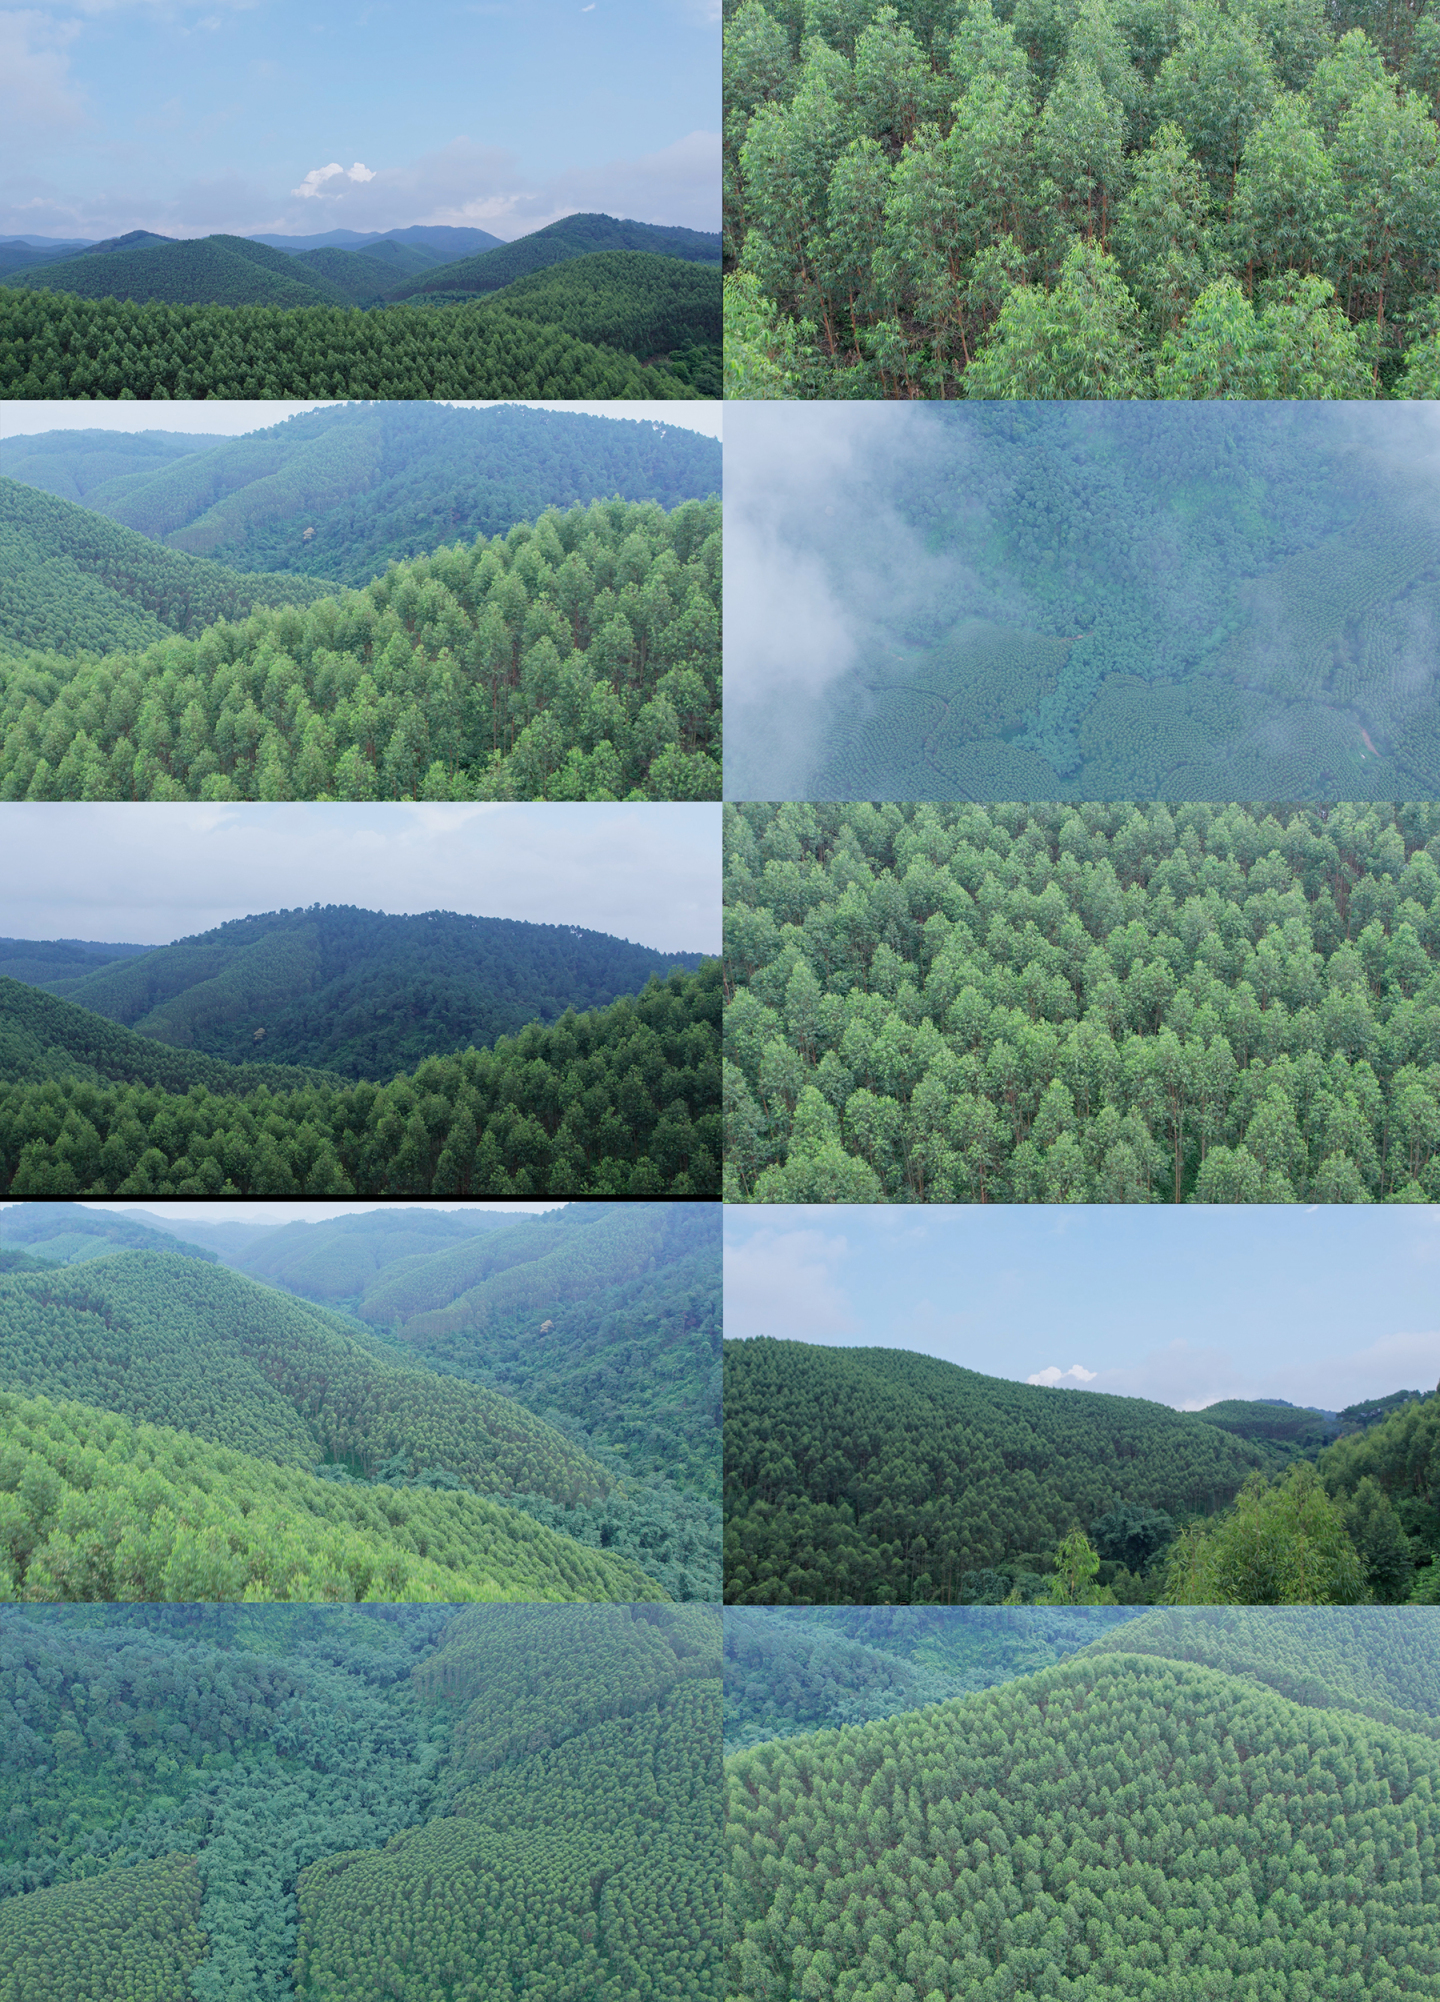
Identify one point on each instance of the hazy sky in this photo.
(148, 874)
(233, 419)
(281, 1212)
(257, 116)
(1321, 1306)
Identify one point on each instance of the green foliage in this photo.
(72, 582)
(1394, 1459)
(576, 658)
(1082, 201)
(874, 1476)
(582, 1866)
(573, 236)
(97, 1508)
(55, 344)
(66, 1234)
(172, 1340)
(1285, 1544)
(344, 491)
(1117, 1827)
(1103, 1003)
(361, 993)
(130, 1934)
(622, 1100)
(622, 299)
(201, 271)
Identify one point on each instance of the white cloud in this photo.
(316, 181)
(1188, 1377)
(35, 86)
(1076, 1374)
(785, 1283)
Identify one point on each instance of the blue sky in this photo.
(147, 874)
(1320, 1306)
(228, 115)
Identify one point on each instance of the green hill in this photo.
(511, 669)
(572, 236)
(43, 1038)
(623, 1100)
(160, 1514)
(133, 1932)
(652, 307)
(68, 1233)
(333, 1260)
(861, 1476)
(165, 1339)
(360, 993)
(1117, 1827)
(203, 271)
(362, 277)
(57, 344)
(72, 582)
(1401, 1454)
(344, 491)
(584, 1864)
(37, 960)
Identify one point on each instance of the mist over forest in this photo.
(1083, 601)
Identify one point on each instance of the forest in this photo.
(623, 1100)
(576, 657)
(883, 1477)
(603, 1319)
(1081, 602)
(503, 1406)
(247, 1803)
(1104, 1003)
(1126, 199)
(1194, 1806)
(360, 993)
(342, 492)
(230, 316)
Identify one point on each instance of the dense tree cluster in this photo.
(253, 1738)
(72, 582)
(53, 344)
(342, 492)
(93, 1507)
(1104, 1003)
(1124, 199)
(622, 299)
(577, 657)
(1117, 1828)
(623, 1100)
(573, 236)
(582, 1865)
(130, 1936)
(875, 1476)
(362, 993)
(172, 1340)
(198, 271)
(1400, 1457)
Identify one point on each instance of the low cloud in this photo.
(1188, 1377)
(317, 181)
(1076, 1374)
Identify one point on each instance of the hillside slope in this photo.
(572, 236)
(1118, 1827)
(73, 582)
(202, 271)
(171, 1340)
(856, 1476)
(74, 465)
(361, 993)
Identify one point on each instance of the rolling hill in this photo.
(344, 491)
(201, 271)
(646, 305)
(572, 236)
(72, 582)
(361, 993)
(857, 1476)
(1130, 1825)
(35, 960)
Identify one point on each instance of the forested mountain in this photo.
(1104, 1003)
(655, 308)
(35, 960)
(877, 1476)
(201, 271)
(361, 993)
(572, 236)
(1197, 602)
(1401, 1456)
(57, 344)
(70, 1234)
(577, 658)
(244, 1744)
(813, 1669)
(72, 582)
(362, 280)
(604, 1319)
(344, 491)
(1132, 200)
(442, 243)
(623, 1100)
(1118, 1827)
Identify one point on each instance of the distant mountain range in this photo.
(358, 992)
(433, 243)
